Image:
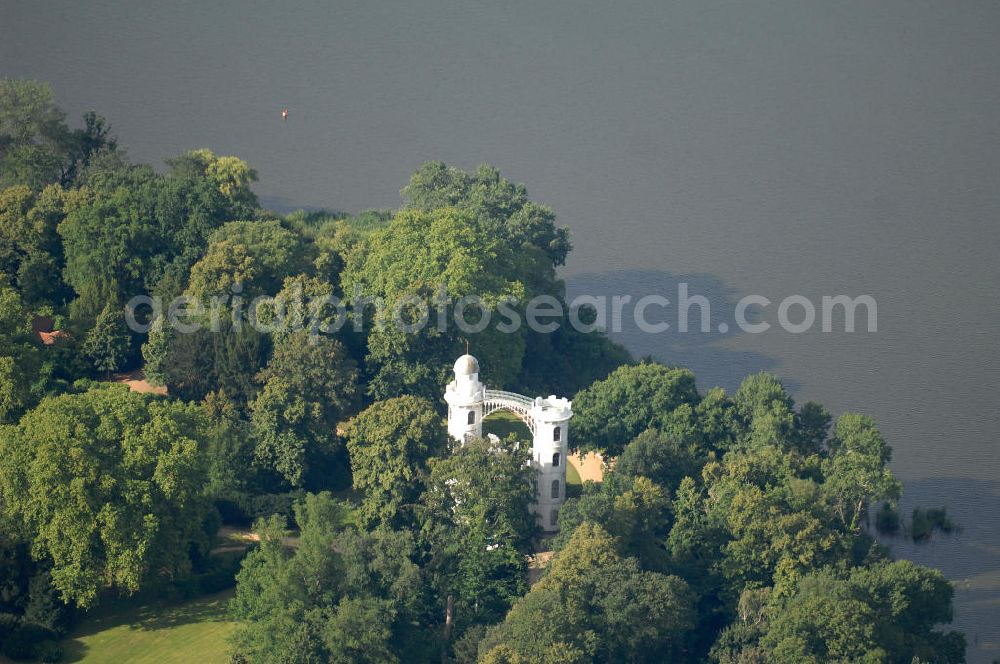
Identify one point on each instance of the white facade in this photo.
(548, 419)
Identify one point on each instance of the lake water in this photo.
(791, 147)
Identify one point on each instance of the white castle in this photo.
(548, 419)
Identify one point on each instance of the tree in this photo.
(765, 411)
(418, 255)
(634, 510)
(663, 458)
(31, 255)
(389, 444)
(613, 411)
(470, 234)
(340, 596)
(112, 242)
(193, 365)
(108, 344)
(34, 138)
(885, 612)
(257, 255)
(856, 471)
(476, 519)
(308, 386)
(231, 175)
(19, 358)
(597, 605)
(108, 485)
(490, 196)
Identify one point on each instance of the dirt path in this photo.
(136, 381)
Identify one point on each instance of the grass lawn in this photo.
(574, 485)
(503, 423)
(161, 633)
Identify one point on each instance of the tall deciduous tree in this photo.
(309, 385)
(475, 516)
(108, 485)
(857, 470)
(612, 412)
(389, 445)
(340, 596)
(257, 255)
(34, 138)
(595, 606)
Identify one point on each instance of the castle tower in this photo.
(465, 397)
(550, 452)
(469, 401)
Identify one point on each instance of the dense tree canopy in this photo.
(308, 386)
(108, 486)
(389, 444)
(729, 528)
(342, 596)
(613, 411)
(594, 606)
(19, 359)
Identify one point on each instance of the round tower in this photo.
(550, 451)
(465, 396)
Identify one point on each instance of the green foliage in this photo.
(339, 597)
(665, 459)
(613, 411)
(308, 386)
(597, 605)
(389, 445)
(465, 234)
(108, 486)
(108, 345)
(924, 522)
(475, 517)
(19, 358)
(418, 254)
(34, 138)
(31, 255)
(883, 613)
(856, 471)
(255, 255)
(194, 365)
(489, 196)
(231, 175)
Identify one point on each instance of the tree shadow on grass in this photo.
(145, 614)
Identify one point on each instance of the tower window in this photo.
(554, 518)
(472, 417)
(556, 459)
(555, 488)
(557, 434)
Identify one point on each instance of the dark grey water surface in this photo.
(775, 147)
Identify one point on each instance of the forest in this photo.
(729, 527)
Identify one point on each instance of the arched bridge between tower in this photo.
(520, 405)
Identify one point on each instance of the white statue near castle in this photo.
(469, 401)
